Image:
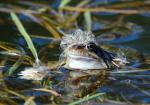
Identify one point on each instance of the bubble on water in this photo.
(37, 72)
(120, 59)
(78, 37)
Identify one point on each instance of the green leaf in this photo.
(86, 99)
(25, 35)
(88, 21)
(64, 3)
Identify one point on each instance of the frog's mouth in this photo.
(81, 54)
(80, 57)
(83, 59)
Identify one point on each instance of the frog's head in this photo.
(76, 44)
(76, 49)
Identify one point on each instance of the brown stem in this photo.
(102, 9)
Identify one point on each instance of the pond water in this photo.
(128, 33)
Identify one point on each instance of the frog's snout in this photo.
(79, 46)
(88, 46)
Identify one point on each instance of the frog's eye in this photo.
(90, 46)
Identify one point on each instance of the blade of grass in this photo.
(141, 90)
(16, 94)
(10, 51)
(102, 9)
(88, 20)
(86, 99)
(50, 28)
(8, 100)
(30, 101)
(25, 35)
(129, 71)
(64, 3)
(15, 66)
(48, 90)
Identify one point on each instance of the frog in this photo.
(81, 51)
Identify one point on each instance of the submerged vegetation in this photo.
(31, 32)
